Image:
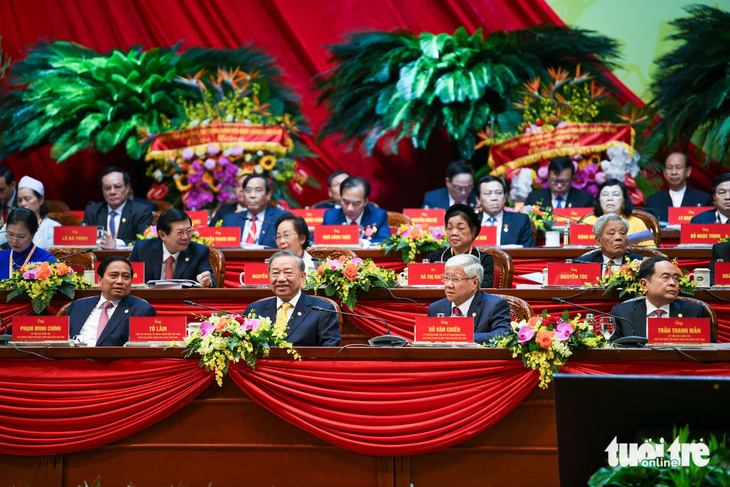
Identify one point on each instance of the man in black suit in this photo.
(514, 228)
(172, 255)
(611, 233)
(290, 307)
(8, 194)
(659, 279)
(676, 171)
(333, 185)
(721, 199)
(462, 275)
(459, 188)
(720, 251)
(123, 219)
(104, 320)
(560, 192)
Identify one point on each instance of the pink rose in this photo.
(212, 149)
(236, 151)
(210, 164)
(525, 334)
(188, 154)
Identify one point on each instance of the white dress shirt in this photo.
(677, 197)
(165, 254)
(249, 223)
(293, 303)
(498, 217)
(463, 307)
(88, 332)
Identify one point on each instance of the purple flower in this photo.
(437, 233)
(580, 180)
(236, 151)
(206, 328)
(357, 261)
(563, 331)
(600, 178)
(250, 324)
(198, 198)
(188, 154)
(406, 233)
(542, 173)
(212, 149)
(525, 334)
(333, 264)
(31, 274)
(210, 164)
(196, 175)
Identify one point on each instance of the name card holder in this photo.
(199, 218)
(313, 216)
(81, 236)
(678, 331)
(582, 235)
(576, 274)
(563, 215)
(451, 329)
(156, 331)
(722, 273)
(222, 237)
(703, 233)
(683, 214)
(337, 235)
(41, 330)
(256, 274)
(137, 276)
(487, 236)
(432, 216)
(426, 274)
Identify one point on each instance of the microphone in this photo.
(386, 340)
(257, 220)
(629, 341)
(5, 337)
(223, 311)
(640, 236)
(75, 254)
(550, 211)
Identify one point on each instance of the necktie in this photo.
(252, 233)
(353, 222)
(5, 213)
(608, 271)
(492, 221)
(168, 267)
(659, 313)
(456, 311)
(559, 202)
(103, 319)
(281, 316)
(112, 225)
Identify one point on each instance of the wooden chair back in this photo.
(79, 263)
(66, 219)
(323, 253)
(218, 265)
(519, 309)
(396, 219)
(162, 204)
(57, 206)
(649, 220)
(503, 267)
(633, 249)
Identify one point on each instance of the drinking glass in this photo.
(606, 326)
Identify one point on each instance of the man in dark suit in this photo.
(515, 228)
(257, 222)
(459, 188)
(721, 198)
(8, 194)
(676, 171)
(560, 192)
(104, 320)
(123, 219)
(356, 211)
(720, 251)
(611, 233)
(172, 255)
(660, 281)
(333, 184)
(462, 275)
(305, 326)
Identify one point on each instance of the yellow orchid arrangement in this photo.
(625, 279)
(42, 281)
(151, 232)
(413, 240)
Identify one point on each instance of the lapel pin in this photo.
(473, 315)
(506, 228)
(679, 315)
(299, 313)
(126, 311)
(187, 259)
(124, 220)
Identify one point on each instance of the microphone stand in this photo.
(5, 337)
(223, 311)
(632, 340)
(386, 340)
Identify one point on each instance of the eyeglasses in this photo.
(109, 189)
(455, 279)
(12, 236)
(284, 236)
(254, 191)
(559, 182)
(462, 189)
(180, 233)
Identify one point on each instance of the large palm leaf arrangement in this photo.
(398, 84)
(692, 83)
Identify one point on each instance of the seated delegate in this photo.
(613, 198)
(292, 234)
(22, 225)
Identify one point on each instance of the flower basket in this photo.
(151, 232)
(226, 339)
(413, 240)
(41, 282)
(625, 279)
(343, 277)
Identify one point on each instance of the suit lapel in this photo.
(506, 222)
(125, 219)
(675, 308)
(266, 224)
(638, 317)
(183, 261)
(299, 314)
(154, 260)
(84, 307)
(475, 308)
(120, 313)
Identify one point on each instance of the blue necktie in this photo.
(112, 225)
(559, 201)
(492, 221)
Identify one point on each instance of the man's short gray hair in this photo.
(604, 219)
(469, 263)
(286, 253)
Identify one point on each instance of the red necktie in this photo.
(103, 319)
(659, 313)
(168, 267)
(353, 222)
(251, 239)
(457, 311)
(608, 271)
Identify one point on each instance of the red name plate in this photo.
(582, 235)
(444, 329)
(313, 216)
(576, 274)
(487, 236)
(40, 328)
(684, 214)
(75, 236)
(137, 269)
(678, 330)
(199, 218)
(425, 274)
(702, 233)
(722, 273)
(563, 215)
(256, 274)
(337, 235)
(222, 236)
(157, 328)
(432, 216)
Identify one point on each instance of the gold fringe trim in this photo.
(272, 147)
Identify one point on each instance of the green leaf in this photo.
(431, 44)
(39, 304)
(446, 88)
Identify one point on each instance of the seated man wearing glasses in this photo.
(459, 188)
(560, 192)
(462, 276)
(172, 255)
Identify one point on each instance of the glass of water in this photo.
(606, 326)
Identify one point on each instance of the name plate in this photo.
(137, 270)
(199, 218)
(722, 273)
(683, 214)
(432, 216)
(75, 236)
(222, 236)
(444, 329)
(703, 233)
(337, 235)
(665, 331)
(313, 216)
(40, 329)
(256, 274)
(582, 235)
(487, 236)
(425, 274)
(157, 328)
(575, 274)
(562, 215)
